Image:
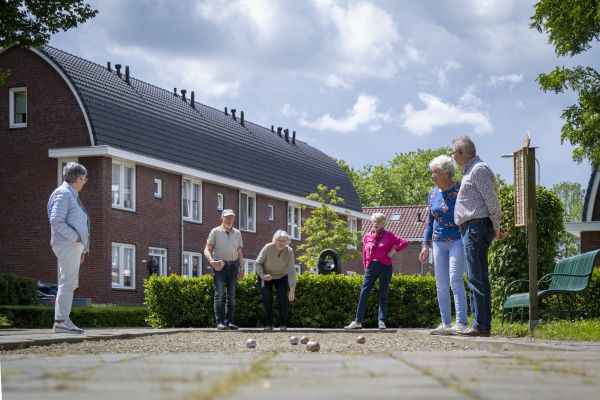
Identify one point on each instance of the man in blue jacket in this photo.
(70, 241)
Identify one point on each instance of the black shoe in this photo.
(233, 327)
(269, 328)
(470, 331)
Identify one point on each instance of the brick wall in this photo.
(591, 240)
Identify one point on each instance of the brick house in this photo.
(589, 229)
(161, 167)
(409, 223)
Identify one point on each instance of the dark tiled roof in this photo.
(587, 202)
(409, 225)
(147, 120)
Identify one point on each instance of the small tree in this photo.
(324, 229)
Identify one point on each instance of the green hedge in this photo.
(16, 290)
(97, 316)
(322, 301)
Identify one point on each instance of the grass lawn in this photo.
(579, 330)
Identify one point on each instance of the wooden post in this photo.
(532, 238)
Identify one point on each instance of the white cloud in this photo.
(334, 81)
(288, 111)
(442, 72)
(363, 113)
(512, 79)
(437, 114)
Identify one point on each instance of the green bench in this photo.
(571, 276)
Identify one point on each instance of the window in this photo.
(298, 268)
(192, 264)
(271, 212)
(249, 266)
(353, 226)
(160, 256)
(158, 188)
(123, 185)
(123, 266)
(220, 201)
(191, 198)
(17, 107)
(395, 217)
(294, 221)
(247, 212)
(61, 165)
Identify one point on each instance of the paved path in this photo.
(500, 369)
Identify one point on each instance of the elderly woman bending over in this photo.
(275, 267)
(379, 246)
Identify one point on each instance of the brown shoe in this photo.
(470, 331)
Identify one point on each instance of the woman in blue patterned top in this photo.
(443, 235)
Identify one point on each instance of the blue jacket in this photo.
(69, 222)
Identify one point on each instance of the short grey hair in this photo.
(281, 233)
(378, 217)
(465, 145)
(443, 163)
(72, 171)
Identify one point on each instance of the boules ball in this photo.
(313, 346)
(251, 343)
(360, 340)
(294, 340)
(304, 339)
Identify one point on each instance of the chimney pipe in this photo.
(272, 129)
(279, 130)
(287, 134)
(233, 110)
(226, 111)
(118, 68)
(127, 74)
(183, 92)
(175, 92)
(242, 118)
(193, 100)
(108, 66)
(419, 217)
(294, 137)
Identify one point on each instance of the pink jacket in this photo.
(377, 247)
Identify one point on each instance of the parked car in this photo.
(47, 293)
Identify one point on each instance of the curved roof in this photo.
(144, 119)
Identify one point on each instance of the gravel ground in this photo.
(235, 342)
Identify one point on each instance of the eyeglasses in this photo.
(453, 153)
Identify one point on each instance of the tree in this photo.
(324, 229)
(571, 195)
(30, 23)
(571, 26)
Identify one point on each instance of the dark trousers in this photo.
(281, 287)
(225, 279)
(477, 238)
(374, 271)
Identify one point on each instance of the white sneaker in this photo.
(442, 329)
(66, 327)
(457, 328)
(354, 325)
(381, 325)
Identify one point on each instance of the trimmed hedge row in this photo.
(322, 301)
(17, 290)
(100, 316)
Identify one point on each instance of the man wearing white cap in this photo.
(223, 252)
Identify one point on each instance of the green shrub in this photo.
(97, 316)
(322, 301)
(17, 290)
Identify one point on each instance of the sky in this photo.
(359, 80)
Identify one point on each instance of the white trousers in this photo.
(69, 259)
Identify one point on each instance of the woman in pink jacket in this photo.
(379, 246)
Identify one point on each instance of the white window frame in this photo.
(294, 227)
(158, 189)
(189, 197)
(161, 258)
(244, 225)
(298, 269)
(120, 204)
(64, 161)
(353, 227)
(189, 255)
(121, 249)
(11, 107)
(249, 266)
(220, 201)
(271, 212)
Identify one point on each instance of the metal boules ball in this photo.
(361, 340)
(294, 340)
(304, 339)
(313, 346)
(251, 343)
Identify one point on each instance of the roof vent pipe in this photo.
(108, 66)
(233, 110)
(419, 217)
(127, 74)
(242, 118)
(226, 111)
(193, 100)
(287, 134)
(175, 91)
(118, 68)
(272, 129)
(183, 92)
(294, 137)
(279, 130)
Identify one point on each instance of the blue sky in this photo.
(360, 80)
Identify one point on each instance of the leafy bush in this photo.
(509, 257)
(322, 301)
(17, 290)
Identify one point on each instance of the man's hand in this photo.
(292, 294)
(217, 266)
(82, 258)
(424, 255)
(267, 277)
(501, 233)
(240, 275)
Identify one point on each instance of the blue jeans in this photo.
(477, 238)
(449, 262)
(225, 279)
(375, 270)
